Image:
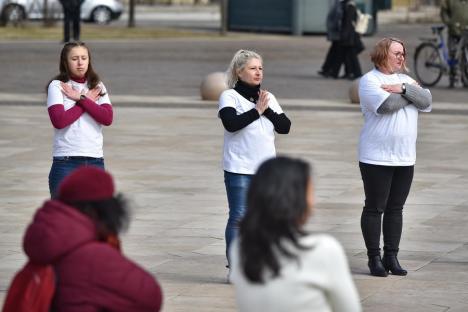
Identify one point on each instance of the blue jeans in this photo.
(62, 166)
(236, 189)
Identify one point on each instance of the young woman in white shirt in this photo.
(78, 107)
(390, 102)
(276, 264)
(250, 116)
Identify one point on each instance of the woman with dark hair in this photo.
(78, 107)
(276, 264)
(390, 102)
(77, 234)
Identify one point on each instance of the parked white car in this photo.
(97, 11)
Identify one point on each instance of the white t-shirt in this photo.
(246, 149)
(386, 139)
(320, 282)
(84, 136)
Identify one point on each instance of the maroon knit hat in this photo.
(86, 184)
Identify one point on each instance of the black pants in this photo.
(386, 189)
(71, 16)
(333, 60)
(351, 61)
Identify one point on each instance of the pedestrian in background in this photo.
(350, 41)
(250, 116)
(334, 58)
(278, 266)
(71, 17)
(78, 234)
(79, 106)
(390, 103)
(346, 42)
(454, 14)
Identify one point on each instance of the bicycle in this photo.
(432, 59)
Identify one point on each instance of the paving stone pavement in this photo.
(167, 160)
(164, 149)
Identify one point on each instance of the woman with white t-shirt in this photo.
(390, 102)
(250, 116)
(78, 107)
(276, 264)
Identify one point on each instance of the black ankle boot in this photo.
(391, 264)
(376, 267)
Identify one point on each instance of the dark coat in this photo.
(454, 14)
(91, 275)
(71, 4)
(334, 21)
(348, 34)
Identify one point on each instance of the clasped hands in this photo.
(262, 103)
(75, 95)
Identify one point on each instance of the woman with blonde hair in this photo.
(250, 116)
(390, 102)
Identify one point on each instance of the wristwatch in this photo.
(403, 88)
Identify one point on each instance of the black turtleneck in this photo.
(233, 122)
(251, 93)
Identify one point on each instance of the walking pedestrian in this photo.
(390, 102)
(278, 266)
(250, 116)
(351, 43)
(71, 17)
(79, 106)
(334, 57)
(346, 42)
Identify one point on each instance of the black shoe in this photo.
(349, 76)
(391, 264)
(324, 74)
(376, 267)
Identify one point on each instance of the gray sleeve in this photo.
(418, 96)
(393, 103)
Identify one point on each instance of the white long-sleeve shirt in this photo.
(322, 281)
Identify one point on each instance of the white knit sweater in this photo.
(321, 282)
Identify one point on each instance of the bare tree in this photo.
(45, 13)
(131, 14)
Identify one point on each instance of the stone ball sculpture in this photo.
(212, 86)
(354, 91)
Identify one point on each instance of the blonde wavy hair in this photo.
(238, 62)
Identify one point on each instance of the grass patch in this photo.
(36, 31)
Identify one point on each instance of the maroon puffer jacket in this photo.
(91, 275)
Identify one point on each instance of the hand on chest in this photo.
(80, 87)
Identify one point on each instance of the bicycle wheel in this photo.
(428, 65)
(464, 65)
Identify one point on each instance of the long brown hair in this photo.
(91, 76)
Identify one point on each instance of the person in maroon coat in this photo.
(77, 234)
